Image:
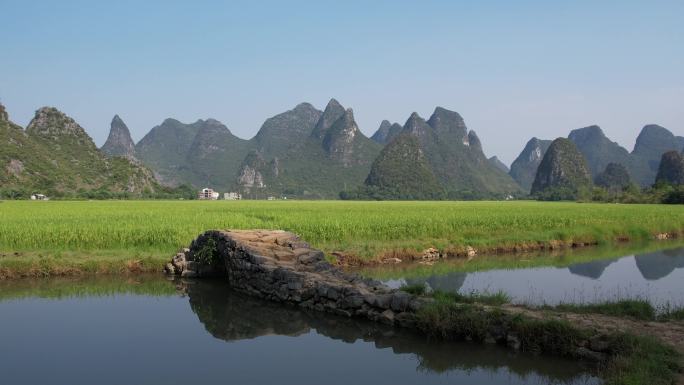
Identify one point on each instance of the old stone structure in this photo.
(278, 266)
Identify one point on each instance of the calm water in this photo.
(657, 277)
(94, 332)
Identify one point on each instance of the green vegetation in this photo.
(642, 360)
(497, 298)
(208, 254)
(636, 308)
(55, 156)
(132, 230)
(562, 174)
(400, 172)
(631, 360)
(86, 286)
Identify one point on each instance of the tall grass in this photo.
(361, 228)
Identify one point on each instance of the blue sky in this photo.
(513, 69)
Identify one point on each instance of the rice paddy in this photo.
(111, 230)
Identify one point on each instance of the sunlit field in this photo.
(361, 228)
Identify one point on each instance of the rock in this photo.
(524, 167)
(169, 269)
(119, 142)
(418, 302)
(189, 274)
(590, 355)
(512, 341)
(405, 319)
(599, 344)
(470, 252)
(400, 301)
(430, 254)
(386, 317)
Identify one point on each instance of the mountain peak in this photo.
(117, 119)
(119, 141)
(592, 132)
(653, 141)
(304, 106)
(446, 121)
(386, 132)
(333, 111)
(524, 167)
(333, 103)
(563, 167)
(416, 126)
(51, 122)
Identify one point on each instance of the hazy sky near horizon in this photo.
(512, 69)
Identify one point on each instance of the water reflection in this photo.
(654, 266)
(592, 270)
(657, 277)
(204, 333)
(232, 316)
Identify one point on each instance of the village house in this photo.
(232, 196)
(207, 194)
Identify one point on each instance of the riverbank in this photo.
(43, 264)
(628, 351)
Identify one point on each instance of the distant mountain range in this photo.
(599, 151)
(54, 155)
(305, 153)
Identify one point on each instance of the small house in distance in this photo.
(232, 196)
(39, 197)
(207, 194)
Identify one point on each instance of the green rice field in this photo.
(150, 231)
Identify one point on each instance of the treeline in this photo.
(185, 191)
(662, 193)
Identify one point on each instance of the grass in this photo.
(639, 309)
(638, 360)
(631, 359)
(635, 308)
(485, 298)
(362, 229)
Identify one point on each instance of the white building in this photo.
(232, 196)
(39, 197)
(207, 194)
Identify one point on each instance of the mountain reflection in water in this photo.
(657, 277)
(148, 330)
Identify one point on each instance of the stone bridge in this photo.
(278, 266)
